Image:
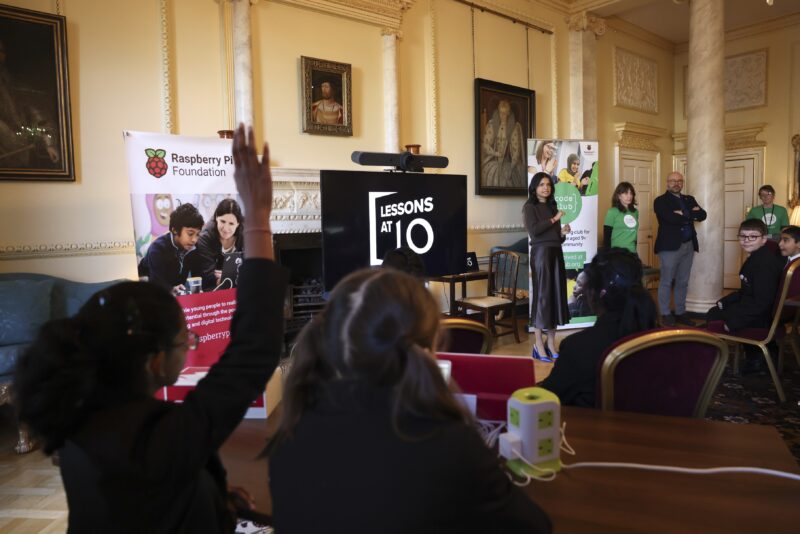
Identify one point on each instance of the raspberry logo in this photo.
(155, 162)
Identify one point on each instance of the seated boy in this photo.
(166, 262)
(790, 243)
(751, 306)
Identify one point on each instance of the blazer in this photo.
(144, 465)
(345, 469)
(670, 223)
(751, 306)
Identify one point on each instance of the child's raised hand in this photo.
(253, 178)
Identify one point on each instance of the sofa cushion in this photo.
(24, 308)
(68, 297)
(9, 354)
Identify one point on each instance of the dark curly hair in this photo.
(94, 359)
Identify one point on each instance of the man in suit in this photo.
(676, 244)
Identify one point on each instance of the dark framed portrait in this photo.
(327, 97)
(35, 124)
(504, 121)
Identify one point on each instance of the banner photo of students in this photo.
(573, 169)
(188, 225)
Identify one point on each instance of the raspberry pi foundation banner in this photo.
(188, 180)
(572, 166)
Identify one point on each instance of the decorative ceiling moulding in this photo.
(382, 13)
(635, 81)
(736, 137)
(65, 250)
(750, 31)
(638, 136)
(619, 25)
(581, 22)
(503, 10)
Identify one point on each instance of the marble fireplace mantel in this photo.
(296, 207)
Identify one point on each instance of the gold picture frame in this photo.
(327, 97)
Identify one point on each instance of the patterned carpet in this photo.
(752, 399)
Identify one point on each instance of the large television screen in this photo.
(366, 214)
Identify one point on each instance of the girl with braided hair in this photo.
(623, 307)
(371, 439)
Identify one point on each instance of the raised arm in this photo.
(215, 407)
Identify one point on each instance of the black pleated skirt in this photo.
(548, 288)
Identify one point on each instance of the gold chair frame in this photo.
(661, 337)
(456, 323)
(777, 322)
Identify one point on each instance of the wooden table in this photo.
(624, 500)
(453, 279)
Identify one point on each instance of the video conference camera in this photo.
(403, 161)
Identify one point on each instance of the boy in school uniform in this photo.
(790, 243)
(168, 259)
(760, 275)
(771, 214)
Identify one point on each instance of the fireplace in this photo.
(302, 255)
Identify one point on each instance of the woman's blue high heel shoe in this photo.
(537, 356)
(551, 354)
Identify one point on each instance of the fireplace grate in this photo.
(303, 303)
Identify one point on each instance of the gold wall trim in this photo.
(638, 136)
(736, 137)
(619, 25)
(383, 13)
(65, 250)
(756, 29)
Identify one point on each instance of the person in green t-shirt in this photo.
(622, 219)
(771, 214)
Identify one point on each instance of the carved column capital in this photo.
(252, 2)
(386, 31)
(583, 21)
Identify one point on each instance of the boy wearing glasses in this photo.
(751, 306)
(773, 215)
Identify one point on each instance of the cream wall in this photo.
(608, 114)
(782, 97)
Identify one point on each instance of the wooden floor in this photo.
(31, 495)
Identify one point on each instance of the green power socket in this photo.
(545, 419)
(545, 447)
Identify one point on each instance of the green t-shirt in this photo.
(624, 227)
(775, 218)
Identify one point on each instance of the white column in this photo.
(584, 30)
(705, 167)
(391, 107)
(242, 63)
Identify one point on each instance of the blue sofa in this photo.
(27, 301)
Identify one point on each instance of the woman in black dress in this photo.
(548, 277)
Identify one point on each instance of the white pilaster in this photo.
(584, 30)
(242, 63)
(706, 146)
(391, 106)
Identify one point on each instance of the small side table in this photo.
(453, 279)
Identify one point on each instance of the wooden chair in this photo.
(789, 288)
(501, 294)
(465, 336)
(666, 371)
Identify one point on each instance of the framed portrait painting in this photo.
(327, 105)
(35, 125)
(504, 121)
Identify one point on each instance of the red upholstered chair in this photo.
(666, 371)
(789, 288)
(464, 335)
(492, 379)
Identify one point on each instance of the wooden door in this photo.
(640, 167)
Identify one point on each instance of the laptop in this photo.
(230, 270)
